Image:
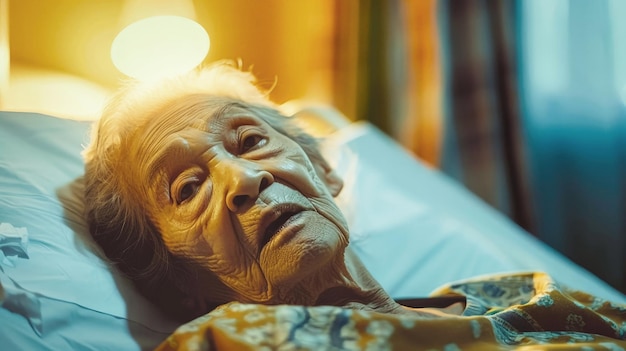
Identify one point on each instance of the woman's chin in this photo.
(309, 250)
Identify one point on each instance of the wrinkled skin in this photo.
(248, 206)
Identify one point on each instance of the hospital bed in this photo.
(414, 228)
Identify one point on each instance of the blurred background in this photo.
(520, 101)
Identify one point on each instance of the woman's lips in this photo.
(277, 226)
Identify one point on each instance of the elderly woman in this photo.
(203, 193)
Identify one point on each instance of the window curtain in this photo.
(397, 73)
(439, 77)
(484, 146)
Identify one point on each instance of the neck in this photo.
(346, 283)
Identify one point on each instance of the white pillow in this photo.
(41, 190)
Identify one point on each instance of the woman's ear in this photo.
(333, 181)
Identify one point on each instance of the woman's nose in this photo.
(245, 182)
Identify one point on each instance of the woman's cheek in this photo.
(180, 241)
(300, 177)
(328, 209)
(312, 183)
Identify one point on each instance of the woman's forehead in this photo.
(189, 118)
(198, 111)
(201, 112)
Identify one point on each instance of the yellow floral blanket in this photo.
(525, 311)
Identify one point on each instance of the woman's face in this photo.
(239, 198)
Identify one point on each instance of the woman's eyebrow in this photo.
(175, 146)
(171, 148)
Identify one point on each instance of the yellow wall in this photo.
(290, 41)
(4, 49)
(68, 35)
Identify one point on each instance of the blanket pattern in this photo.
(525, 311)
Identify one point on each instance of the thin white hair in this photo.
(141, 99)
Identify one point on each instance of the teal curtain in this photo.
(572, 58)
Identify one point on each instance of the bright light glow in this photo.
(159, 46)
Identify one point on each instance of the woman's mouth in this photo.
(276, 226)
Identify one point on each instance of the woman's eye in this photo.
(252, 141)
(187, 191)
(187, 184)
